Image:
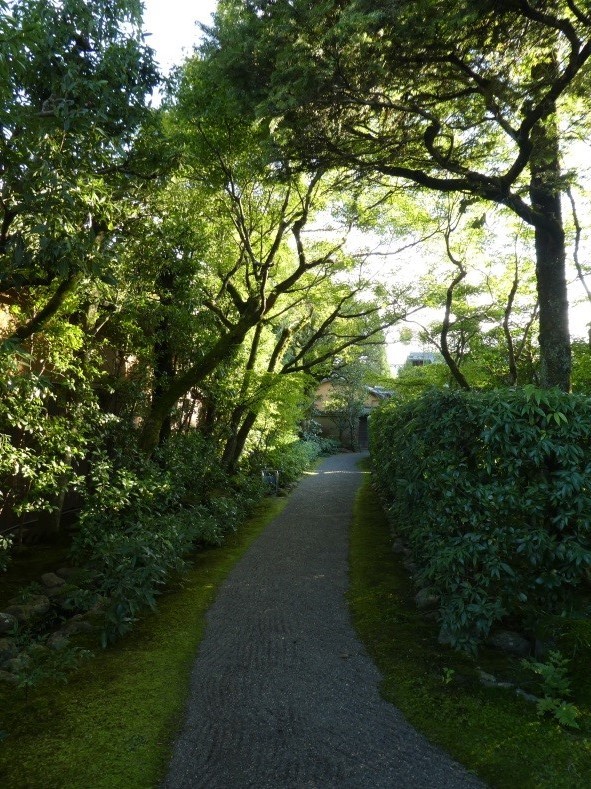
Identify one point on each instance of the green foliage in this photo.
(413, 382)
(73, 99)
(556, 688)
(39, 662)
(42, 665)
(46, 427)
(581, 367)
(5, 543)
(290, 458)
(425, 93)
(144, 516)
(86, 733)
(75, 78)
(492, 732)
(490, 489)
(553, 674)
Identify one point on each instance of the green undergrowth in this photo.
(28, 565)
(494, 733)
(113, 724)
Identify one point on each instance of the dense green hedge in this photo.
(493, 493)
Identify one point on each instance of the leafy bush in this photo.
(45, 428)
(291, 459)
(134, 564)
(556, 687)
(144, 516)
(491, 490)
(328, 446)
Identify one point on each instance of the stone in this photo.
(8, 649)
(7, 622)
(36, 605)
(398, 546)
(409, 565)
(68, 572)
(20, 613)
(526, 696)
(444, 638)
(58, 641)
(490, 681)
(425, 599)
(58, 591)
(40, 604)
(74, 627)
(37, 650)
(6, 676)
(51, 580)
(17, 663)
(508, 641)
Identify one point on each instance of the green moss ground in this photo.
(113, 724)
(491, 731)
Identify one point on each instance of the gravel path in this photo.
(283, 694)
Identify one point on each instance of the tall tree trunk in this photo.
(457, 374)
(512, 361)
(241, 436)
(555, 347)
(235, 446)
(229, 455)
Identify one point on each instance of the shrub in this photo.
(291, 459)
(46, 427)
(144, 516)
(492, 492)
(328, 446)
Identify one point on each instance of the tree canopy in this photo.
(460, 97)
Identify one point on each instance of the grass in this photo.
(114, 723)
(491, 731)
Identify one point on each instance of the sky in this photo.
(173, 25)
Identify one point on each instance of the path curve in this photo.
(283, 694)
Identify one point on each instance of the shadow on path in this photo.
(283, 693)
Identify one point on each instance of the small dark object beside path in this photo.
(283, 693)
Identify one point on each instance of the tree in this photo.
(258, 267)
(485, 285)
(455, 97)
(75, 81)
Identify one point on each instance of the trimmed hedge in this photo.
(492, 491)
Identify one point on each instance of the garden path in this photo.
(283, 694)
